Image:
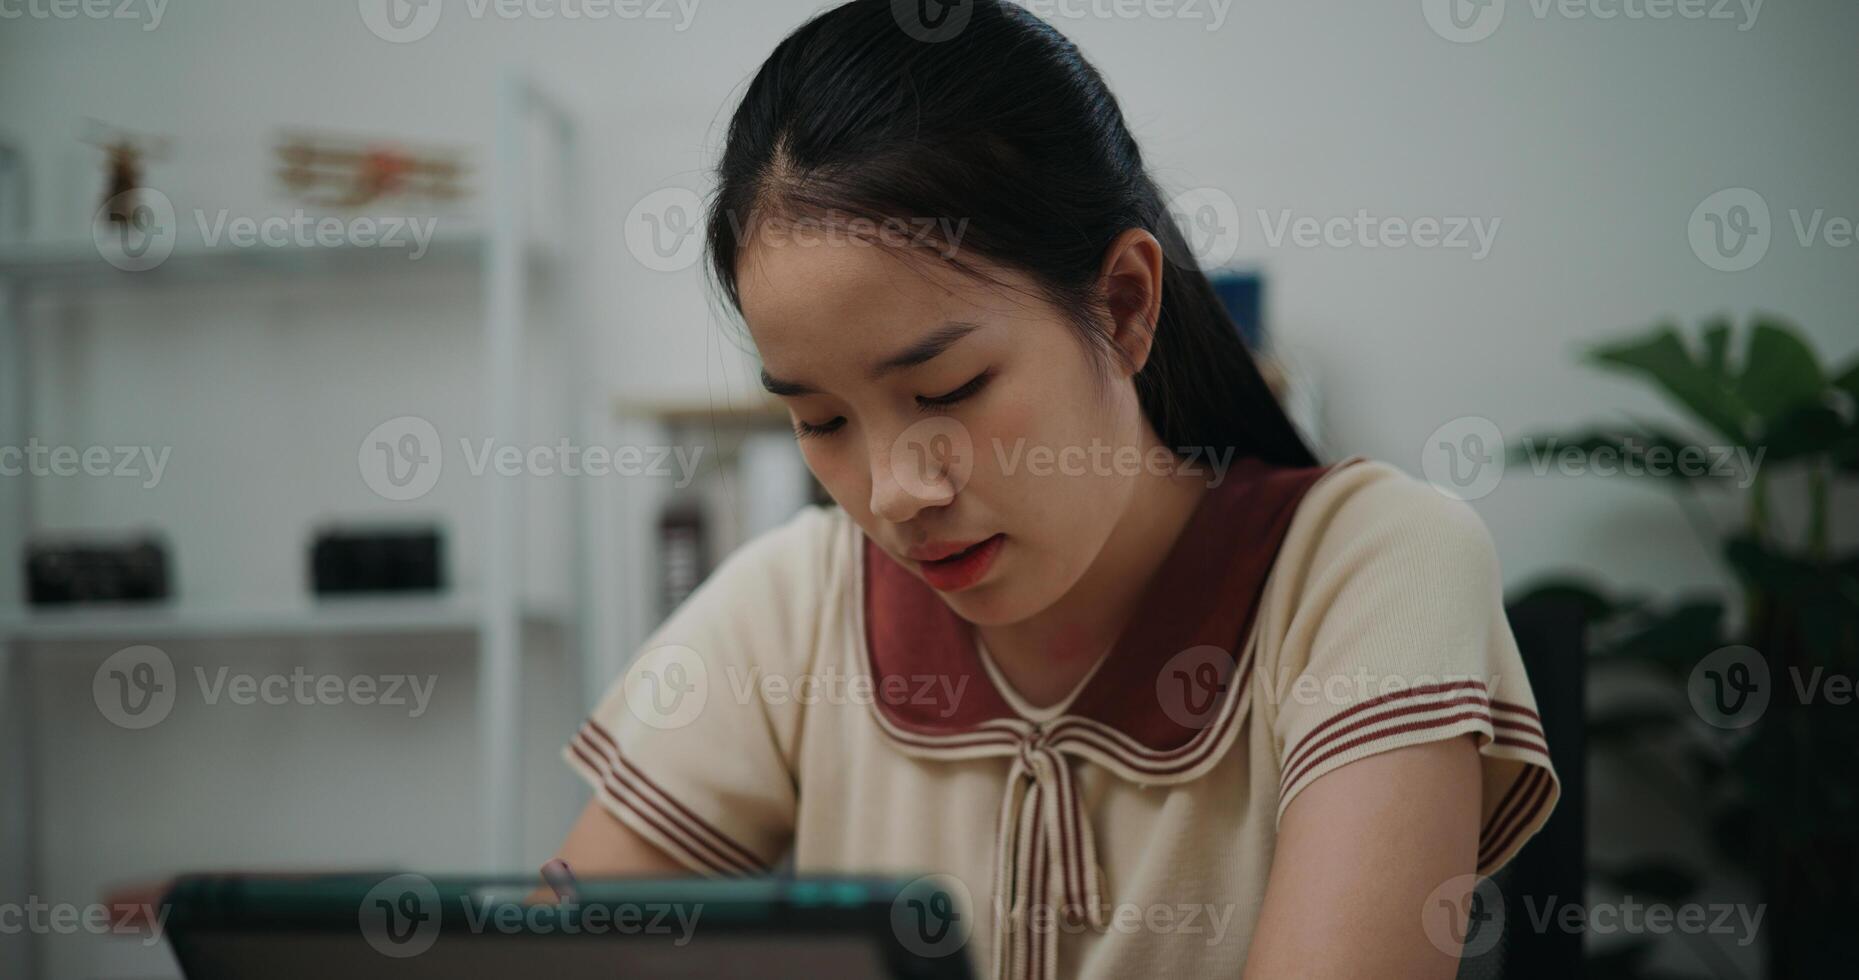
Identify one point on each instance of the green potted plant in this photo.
(1775, 781)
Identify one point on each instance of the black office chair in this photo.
(1552, 867)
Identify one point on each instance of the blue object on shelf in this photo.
(1243, 295)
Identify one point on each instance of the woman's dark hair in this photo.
(1004, 130)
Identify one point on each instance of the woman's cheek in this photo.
(1002, 438)
(836, 475)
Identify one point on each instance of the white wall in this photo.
(1592, 141)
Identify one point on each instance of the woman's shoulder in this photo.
(1366, 502)
(1369, 533)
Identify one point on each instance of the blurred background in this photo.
(363, 404)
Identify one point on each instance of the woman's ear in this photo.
(1132, 282)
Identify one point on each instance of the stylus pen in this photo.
(556, 873)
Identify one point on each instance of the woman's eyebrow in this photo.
(939, 340)
(785, 389)
(926, 349)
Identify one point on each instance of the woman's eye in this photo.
(806, 429)
(927, 402)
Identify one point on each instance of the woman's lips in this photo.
(959, 568)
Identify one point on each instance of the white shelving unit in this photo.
(722, 488)
(496, 616)
(326, 618)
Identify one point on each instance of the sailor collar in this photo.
(1161, 708)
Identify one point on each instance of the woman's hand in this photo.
(600, 846)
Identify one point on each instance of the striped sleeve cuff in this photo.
(645, 806)
(1520, 783)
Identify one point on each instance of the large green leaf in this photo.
(1780, 371)
(1717, 346)
(1804, 430)
(1662, 358)
(1768, 569)
(1846, 455)
(1596, 606)
(1673, 641)
(1847, 379)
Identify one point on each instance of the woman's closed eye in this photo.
(925, 403)
(806, 430)
(929, 403)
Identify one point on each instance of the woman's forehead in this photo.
(801, 300)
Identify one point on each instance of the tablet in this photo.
(403, 925)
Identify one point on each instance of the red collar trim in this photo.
(1206, 593)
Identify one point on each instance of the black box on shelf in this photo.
(349, 561)
(62, 572)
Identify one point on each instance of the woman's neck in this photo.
(1045, 656)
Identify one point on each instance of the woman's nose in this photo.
(917, 467)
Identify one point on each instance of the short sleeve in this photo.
(1399, 637)
(682, 748)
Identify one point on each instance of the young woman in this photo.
(1090, 633)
